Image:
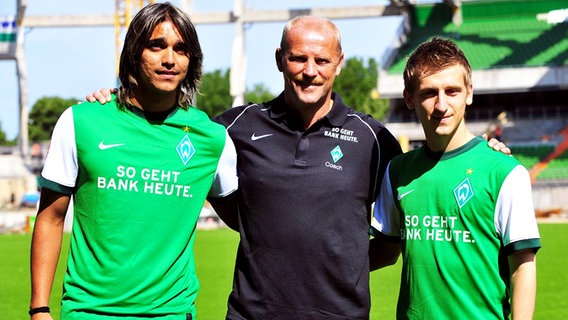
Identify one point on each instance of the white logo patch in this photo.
(400, 196)
(104, 146)
(254, 137)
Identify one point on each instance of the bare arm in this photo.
(46, 247)
(382, 253)
(522, 268)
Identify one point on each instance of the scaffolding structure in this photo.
(126, 9)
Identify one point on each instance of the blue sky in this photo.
(71, 62)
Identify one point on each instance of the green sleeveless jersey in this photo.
(459, 215)
(138, 188)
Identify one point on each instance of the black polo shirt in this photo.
(304, 211)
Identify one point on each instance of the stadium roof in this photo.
(513, 45)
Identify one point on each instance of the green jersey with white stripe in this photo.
(138, 186)
(459, 215)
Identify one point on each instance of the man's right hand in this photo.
(102, 95)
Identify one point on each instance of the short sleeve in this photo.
(226, 180)
(515, 219)
(61, 166)
(386, 216)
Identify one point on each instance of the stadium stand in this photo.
(509, 43)
(555, 165)
(519, 55)
(557, 168)
(530, 155)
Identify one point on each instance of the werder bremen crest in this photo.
(185, 149)
(463, 192)
(336, 154)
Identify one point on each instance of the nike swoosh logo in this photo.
(104, 146)
(400, 196)
(254, 137)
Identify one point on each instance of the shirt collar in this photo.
(278, 110)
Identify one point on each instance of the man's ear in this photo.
(407, 100)
(278, 57)
(469, 99)
(339, 65)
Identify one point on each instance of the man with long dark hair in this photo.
(139, 169)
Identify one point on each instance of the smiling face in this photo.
(440, 99)
(164, 62)
(309, 60)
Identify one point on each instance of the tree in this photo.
(357, 86)
(44, 115)
(259, 93)
(3, 140)
(215, 95)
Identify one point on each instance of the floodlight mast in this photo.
(19, 56)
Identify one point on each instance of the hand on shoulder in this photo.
(102, 95)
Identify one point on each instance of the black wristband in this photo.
(44, 309)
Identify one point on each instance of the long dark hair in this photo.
(137, 37)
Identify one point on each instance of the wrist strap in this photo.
(44, 309)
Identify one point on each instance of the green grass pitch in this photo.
(215, 254)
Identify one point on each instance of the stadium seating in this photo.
(491, 32)
(530, 155)
(546, 161)
(556, 169)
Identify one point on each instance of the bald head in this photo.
(309, 58)
(303, 24)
